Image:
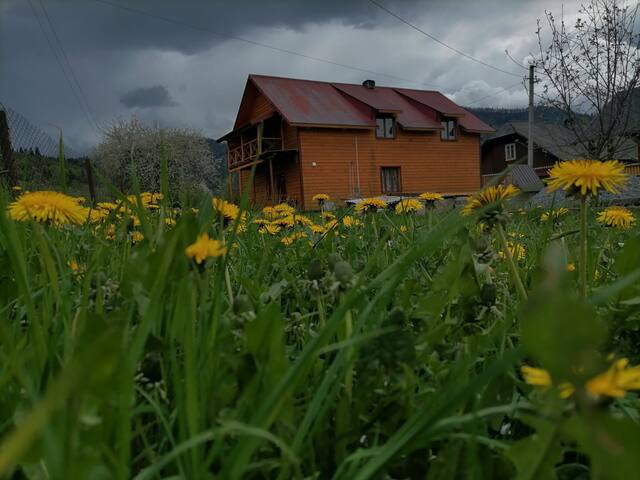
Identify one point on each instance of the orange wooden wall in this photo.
(426, 162)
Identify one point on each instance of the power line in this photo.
(70, 66)
(60, 63)
(437, 40)
(264, 45)
(249, 41)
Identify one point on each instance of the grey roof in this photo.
(629, 195)
(560, 141)
(525, 178)
(555, 139)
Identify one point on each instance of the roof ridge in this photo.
(332, 83)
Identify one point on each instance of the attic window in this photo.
(448, 129)
(385, 127)
(510, 152)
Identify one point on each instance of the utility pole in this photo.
(530, 140)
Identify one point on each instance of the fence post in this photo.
(6, 150)
(92, 186)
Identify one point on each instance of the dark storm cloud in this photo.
(115, 50)
(146, 97)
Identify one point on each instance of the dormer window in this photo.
(449, 126)
(385, 127)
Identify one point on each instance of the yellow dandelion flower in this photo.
(285, 222)
(321, 197)
(110, 232)
(317, 229)
(517, 250)
(97, 215)
(571, 267)
(284, 209)
(539, 377)
(616, 381)
(617, 217)
(302, 220)
(228, 210)
(205, 247)
(349, 221)
(431, 197)
(48, 207)
(331, 224)
(290, 239)
(535, 376)
(409, 205)
(269, 212)
(261, 221)
(109, 206)
(491, 195)
(269, 228)
(370, 204)
(74, 266)
(553, 214)
(587, 176)
(137, 236)
(404, 229)
(328, 215)
(170, 222)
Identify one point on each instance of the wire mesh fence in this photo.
(25, 136)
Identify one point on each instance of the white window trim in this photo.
(507, 148)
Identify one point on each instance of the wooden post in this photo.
(259, 139)
(92, 186)
(6, 150)
(272, 182)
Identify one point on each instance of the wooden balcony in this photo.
(245, 154)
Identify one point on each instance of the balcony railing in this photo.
(247, 152)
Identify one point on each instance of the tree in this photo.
(590, 71)
(130, 147)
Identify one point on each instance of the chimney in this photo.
(369, 84)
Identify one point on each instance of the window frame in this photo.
(445, 133)
(399, 170)
(385, 119)
(507, 148)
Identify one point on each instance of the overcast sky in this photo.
(129, 63)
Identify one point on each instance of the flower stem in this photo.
(583, 246)
(512, 266)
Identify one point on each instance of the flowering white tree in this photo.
(130, 147)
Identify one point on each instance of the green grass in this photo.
(366, 353)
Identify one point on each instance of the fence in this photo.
(20, 136)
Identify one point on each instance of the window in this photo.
(390, 177)
(385, 127)
(510, 152)
(448, 129)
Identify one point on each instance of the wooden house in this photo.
(551, 143)
(308, 137)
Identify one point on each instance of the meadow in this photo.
(417, 341)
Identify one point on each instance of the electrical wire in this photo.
(437, 40)
(249, 41)
(69, 65)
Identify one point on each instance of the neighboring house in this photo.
(508, 146)
(552, 143)
(308, 137)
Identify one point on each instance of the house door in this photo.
(281, 186)
(390, 177)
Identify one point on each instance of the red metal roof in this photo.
(313, 103)
(447, 107)
(386, 99)
(308, 102)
